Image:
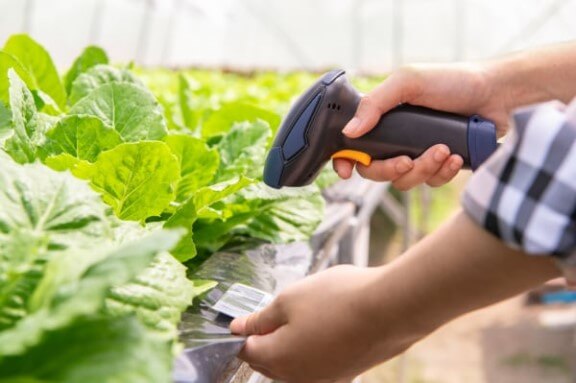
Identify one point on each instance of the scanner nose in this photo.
(295, 142)
(273, 168)
(298, 154)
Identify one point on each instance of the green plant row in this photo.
(112, 182)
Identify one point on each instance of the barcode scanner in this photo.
(311, 134)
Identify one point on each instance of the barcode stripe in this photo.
(242, 300)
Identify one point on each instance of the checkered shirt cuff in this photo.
(525, 193)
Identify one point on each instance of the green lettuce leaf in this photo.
(42, 212)
(233, 112)
(64, 161)
(157, 296)
(198, 164)
(93, 350)
(74, 286)
(193, 104)
(276, 216)
(286, 215)
(27, 127)
(45, 103)
(211, 235)
(90, 57)
(83, 137)
(184, 218)
(5, 121)
(243, 150)
(99, 75)
(39, 64)
(202, 285)
(7, 61)
(52, 208)
(137, 179)
(21, 269)
(209, 195)
(190, 117)
(58, 264)
(129, 109)
(202, 205)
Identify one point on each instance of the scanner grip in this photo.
(410, 130)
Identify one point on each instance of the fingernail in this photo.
(440, 154)
(404, 165)
(237, 326)
(352, 126)
(455, 164)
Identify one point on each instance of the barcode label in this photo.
(241, 300)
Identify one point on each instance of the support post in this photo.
(144, 35)
(398, 32)
(28, 16)
(97, 20)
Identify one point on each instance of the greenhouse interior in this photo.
(306, 191)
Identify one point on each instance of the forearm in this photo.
(340, 322)
(457, 269)
(536, 75)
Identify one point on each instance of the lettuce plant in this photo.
(109, 190)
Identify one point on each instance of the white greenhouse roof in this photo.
(374, 35)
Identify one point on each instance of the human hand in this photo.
(459, 88)
(338, 323)
(322, 329)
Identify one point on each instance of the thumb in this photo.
(261, 322)
(380, 100)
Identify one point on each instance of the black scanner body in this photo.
(311, 133)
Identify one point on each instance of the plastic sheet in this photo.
(209, 349)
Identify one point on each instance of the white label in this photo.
(241, 300)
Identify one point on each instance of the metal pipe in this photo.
(325, 254)
(425, 205)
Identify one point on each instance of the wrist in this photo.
(396, 304)
(515, 82)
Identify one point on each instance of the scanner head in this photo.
(311, 131)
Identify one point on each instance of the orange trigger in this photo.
(354, 155)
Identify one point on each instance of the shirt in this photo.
(525, 193)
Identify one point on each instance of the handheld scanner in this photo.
(311, 134)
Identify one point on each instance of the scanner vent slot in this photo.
(334, 106)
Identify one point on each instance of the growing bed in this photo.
(126, 194)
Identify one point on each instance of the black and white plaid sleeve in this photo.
(525, 193)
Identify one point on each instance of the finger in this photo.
(449, 169)
(343, 167)
(262, 350)
(381, 99)
(261, 322)
(425, 166)
(387, 170)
